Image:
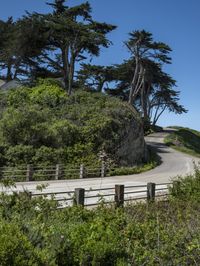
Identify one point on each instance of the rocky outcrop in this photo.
(132, 148)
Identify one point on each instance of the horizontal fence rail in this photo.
(119, 194)
(29, 172)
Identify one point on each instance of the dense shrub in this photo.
(15, 248)
(26, 125)
(42, 124)
(19, 154)
(48, 155)
(34, 232)
(187, 188)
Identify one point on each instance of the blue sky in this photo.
(175, 22)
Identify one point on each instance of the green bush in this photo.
(18, 97)
(19, 154)
(47, 94)
(34, 232)
(15, 248)
(187, 188)
(64, 133)
(58, 128)
(27, 126)
(132, 170)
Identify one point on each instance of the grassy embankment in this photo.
(185, 140)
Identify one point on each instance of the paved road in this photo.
(173, 163)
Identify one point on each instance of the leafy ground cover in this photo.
(185, 140)
(34, 232)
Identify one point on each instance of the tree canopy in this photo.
(59, 41)
(60, 44)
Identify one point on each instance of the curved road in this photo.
(173, 163)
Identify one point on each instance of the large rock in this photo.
(132, 148)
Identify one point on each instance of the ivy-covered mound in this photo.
(43, 126)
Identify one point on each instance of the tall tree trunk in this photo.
(9, 72)
(65, 79)
(71, 74)
(145, 112)
(155, 116)
(158, 116)
(144, 96)
(148, 100)
(100, 85)
(65, 60)
(139, 84)
(134, 81)
(17, 67)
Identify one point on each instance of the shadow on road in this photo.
(158, 147)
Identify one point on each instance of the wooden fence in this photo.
(57, 172)
(119, 194)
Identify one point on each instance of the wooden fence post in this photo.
(151, 192)
(58, 172)
(82, 171)
(29, 173)
(119, 195)
(30, 195)
(79, 197)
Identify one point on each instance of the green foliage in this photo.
(34, 232)
(3, 101)
(48, 93)
(187, 188)
(15, 248)
(42, 125)
(154, 160)
(48, 156)
(17, 98)
(26, 125)
(64, 133)
(51, 35)
(185, 139)
(132, 170)
(19, 154)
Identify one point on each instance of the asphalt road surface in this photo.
(174, 163)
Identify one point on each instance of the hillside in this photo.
(185, 139)
(42, 125)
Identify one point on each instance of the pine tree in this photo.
(142, 47)
(73, 35)
(7, 48)
(58, 6)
